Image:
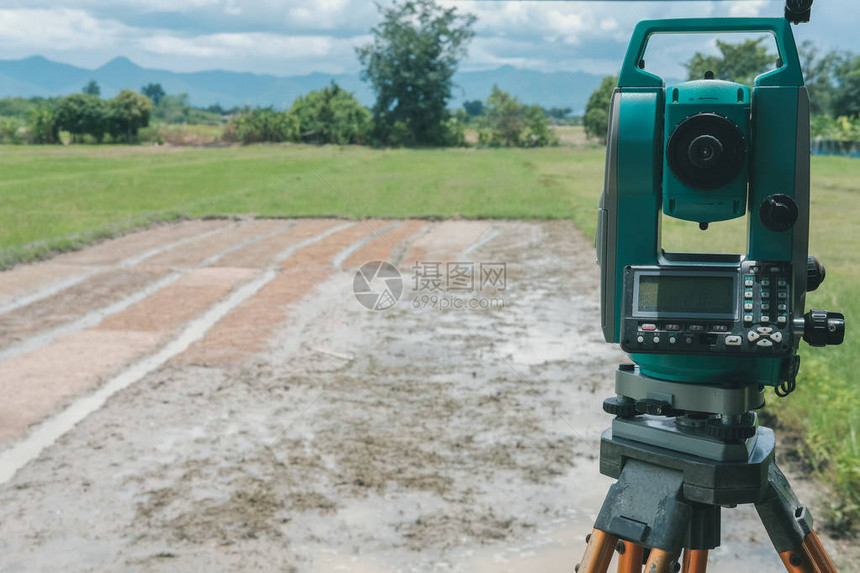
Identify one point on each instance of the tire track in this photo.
(249, 327)
(54, 288)
(98, 315)
(50, 430)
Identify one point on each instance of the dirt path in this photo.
(212, 396)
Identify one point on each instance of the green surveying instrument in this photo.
(706, 332)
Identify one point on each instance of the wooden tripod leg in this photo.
(817, 555)
(598, 554)
(695, 561)
(630, 558)
(660, 561)
(789, 526)
(810, 557)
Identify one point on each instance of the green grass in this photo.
(54, 198)
(60, 198)
(827, 402)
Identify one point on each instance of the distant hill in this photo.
(38, 76)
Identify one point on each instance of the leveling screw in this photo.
(620, 547)
(795, 559)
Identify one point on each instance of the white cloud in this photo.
(64, 29)
(299, 36)
(250, 45)
(748, 8)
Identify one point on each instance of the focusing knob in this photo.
(733, 432)
(815, 273)
(822, 328)
(706, 151)
(621, 406)
(778, 212)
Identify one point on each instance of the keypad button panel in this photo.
(762, 326)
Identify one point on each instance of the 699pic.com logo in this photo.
(377, 285)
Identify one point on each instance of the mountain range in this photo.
(38, 76)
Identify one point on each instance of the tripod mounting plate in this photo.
(705, 481)
(665, 432)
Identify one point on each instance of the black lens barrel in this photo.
(706, 151)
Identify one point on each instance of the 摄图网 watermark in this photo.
(434, 285)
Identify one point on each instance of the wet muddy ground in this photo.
(212, 396)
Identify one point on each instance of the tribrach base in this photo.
(664, 510)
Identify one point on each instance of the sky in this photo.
(293, 37)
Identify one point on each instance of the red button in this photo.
(649, 327)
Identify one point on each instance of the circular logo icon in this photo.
(377, 285)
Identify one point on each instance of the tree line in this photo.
(410, 65)
(333, 115)
(83, 114)
(832, 78)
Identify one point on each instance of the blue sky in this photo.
(302, 36)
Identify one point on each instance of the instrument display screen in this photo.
(711, 295)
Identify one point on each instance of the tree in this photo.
(154, 92)
(82, 114)
(538, 132)
(846, 97)
(504, 120)
(558, 112)
(410, 66)
(331, 115)
(596, 120)
(129, 112)
(262, 125)
(739, 63)
(92, 88)
(43, 125)
(819, 74)
(172, 108)
(508, 123)
(474, 108)
(16, 107)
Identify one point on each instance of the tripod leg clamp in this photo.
(787, 521)
(644, 506)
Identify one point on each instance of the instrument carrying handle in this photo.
(788, 74)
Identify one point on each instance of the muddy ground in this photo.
(212, 396)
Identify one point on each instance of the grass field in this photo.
(59, 198)
(54, 197)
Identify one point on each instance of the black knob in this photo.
(815, 273)
(798, 11)
(621, 406)
(822, 328)
(654, 407)
(778, 212)
(733, 432)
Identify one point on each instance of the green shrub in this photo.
(596, 119)
(82, 114)
(129, 112)
(12, 130)
(331, 115)
(43, 125)
(508, 123)
(262, 125)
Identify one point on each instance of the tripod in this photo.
(666, 501)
